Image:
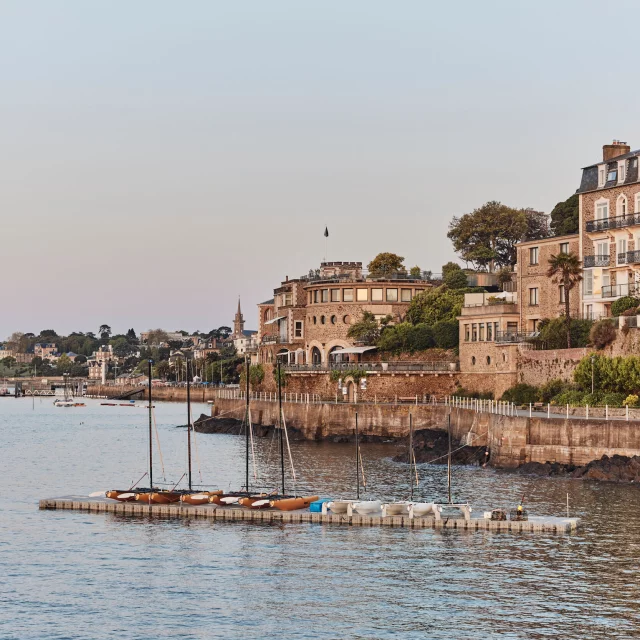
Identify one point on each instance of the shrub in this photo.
(521, 394)
(630, 312)
(550, 389)
(456, 279)
(610, 375)
(602, 333)
(554, 333)
(446, 334)
(613, 399)
(631, 400)
(479, 395)
(406, 337)
(623, 304)
(571, 397)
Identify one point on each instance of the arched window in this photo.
(333, 319)
(346, 319)
(473, 360)
(488, 359)
(621, 206)
(322, 319)
(315, 320)
(316, 356)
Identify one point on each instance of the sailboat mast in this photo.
(280, 425)
(357, 460)
(449, 455)
(189, 422)
(411, 453)
(247, 425)
(150, 431)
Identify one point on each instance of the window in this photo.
(622, 170)
(325, 295)
(315, 296)
(564, 247)
(347, 295)
(287, 299)
(334, 319)
(496, 328)
(606, 278)
(392, 295)
(489, 331)
(474, 333)
(612, 175)
(488, 359)
(622, 251)
(562, 298)
(602, 249)
(535, 325)
(298, 329)
(322, 319)
(361, 295)
(473, 360)
(315, 320)
(587, 283)
(533, 255)
(346, 319)
(602, 210)
(533, 296)
(376, 295)
(335, 295)
(636, 207)
(405, 295)
(601, 174)
(467, 333)
(481, 333)
(621, 206)
(589, 312)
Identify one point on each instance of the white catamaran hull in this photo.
(367, 506)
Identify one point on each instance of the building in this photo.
(104, 355)
(539, 297)
(309, 317)
(46, 351)
(609, 195)
(244, 340)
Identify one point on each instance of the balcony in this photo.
(619, 222)
(597, 261)
(515, 337)
(374, 367)
(622, 258)
(633, 257)
(275, 339)
(619, 290)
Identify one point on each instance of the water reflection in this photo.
(75, 575)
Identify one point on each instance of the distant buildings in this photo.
(244, 341)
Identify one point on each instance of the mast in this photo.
(188, 421)
(150, 431)
(280, 425)
(411, 454)
(449, 455)
(246, 419)
(357, 460)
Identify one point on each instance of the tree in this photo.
(384, 264)
(156, 337)
(487, 237)
(9, 362)
(162, 369)
(565, 216)
(505, 275)
(104, 331)
(132, 337)
(17, 341)
(450, 267)
(567, 269)
(121, 346)
(405, 337)
(446, 334)
(365, 330)
(434, 305)
(624, 304)
(537, 224)
(415, 272)
(224, 332)
(47, 334)
(456, 279)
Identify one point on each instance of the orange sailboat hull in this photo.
(291, 504)
(199, 498)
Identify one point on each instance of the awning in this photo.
(353, 350)
(275, 320)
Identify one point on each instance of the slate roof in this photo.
(589, 180)
(268, 301)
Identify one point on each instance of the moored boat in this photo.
(422, 508)
(159, 497)
(291, 504)
(367, 506)
(199, 498)
(398, 508)
(339, 506)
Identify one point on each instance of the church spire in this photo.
(238, 322)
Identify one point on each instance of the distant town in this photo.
(545, 306)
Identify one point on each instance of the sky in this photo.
(158, 159)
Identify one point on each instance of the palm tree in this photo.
(566, 269)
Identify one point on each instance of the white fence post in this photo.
(627, 412)
(606, 411)
(548, 410)
(587, 415)
(567, 411)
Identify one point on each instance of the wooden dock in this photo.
(103, 505)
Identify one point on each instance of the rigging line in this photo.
(253, 449)
(155, 425)
(286, 437)
(364, 479)
(415, 467)
(135, 483)
(195, 446)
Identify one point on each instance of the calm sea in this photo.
(79, 575)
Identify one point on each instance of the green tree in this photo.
(537, 224)
(104, 331)
(565, 216)
(566, 269)
(446, 334)
(487, 237)
(156, 337)
(132, 337)
(63, 365)
(365, 330)
(415, 272)
(224, 332)
(162, 370)
(121, 346)
(505, 275)
(434, 305)
(450, 267)
(405, 337)
(623, 304)
(553, 332)
(456, 279)
(385, 264)
(9, 362)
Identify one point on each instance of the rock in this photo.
(607, 469)
(431, 445)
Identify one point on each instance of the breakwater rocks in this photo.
(607, 469)
(430, 445)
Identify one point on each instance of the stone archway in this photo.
(316, 355)
(351, 391)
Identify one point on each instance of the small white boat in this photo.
(367, 506)
(64, 403)
(339, 506)
(422, 508)
(398, 508)
(230, 499)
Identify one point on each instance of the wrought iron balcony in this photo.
(622, 258)
(374, 367)
(633, 257)
(515, 336)
(619, 290)
(596, 261)
(273, 339)
(619, 222)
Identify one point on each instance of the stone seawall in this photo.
(170, 394)
(512, 441)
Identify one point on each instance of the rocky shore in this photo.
(607, 469)
(431, 445)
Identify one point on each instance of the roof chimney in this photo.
(615, 149)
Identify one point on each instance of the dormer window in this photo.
(621, 171)
(612, 175)
(601, 176)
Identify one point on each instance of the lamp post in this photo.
(593, 359)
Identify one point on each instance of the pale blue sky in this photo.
(160, 158)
